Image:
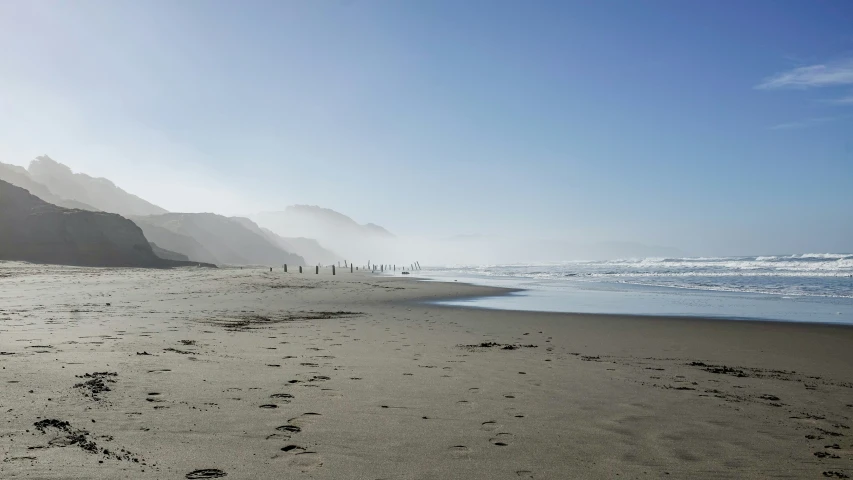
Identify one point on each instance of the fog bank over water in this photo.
(480, 250)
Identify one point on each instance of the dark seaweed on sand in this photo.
(96, 383)
(253, 321)
(502, 346)
(80, 438)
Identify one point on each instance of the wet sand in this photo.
(251, 374)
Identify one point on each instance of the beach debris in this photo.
(825, 455)
(69, 435)
(719, 369)
(182, 352)
(96, 383)
(253, 321)
(501, 346)
(206, 473)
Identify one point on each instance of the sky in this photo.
(721, 128)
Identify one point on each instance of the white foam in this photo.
(811, 274)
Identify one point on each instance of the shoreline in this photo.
(505, 291)
(651, 301)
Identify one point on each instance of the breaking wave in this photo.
(808, 274)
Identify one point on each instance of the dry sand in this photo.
(196, 373)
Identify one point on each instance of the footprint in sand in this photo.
(489, 426)
(303, 420)
(301, 458)
(501, 439)
(513, 412)
(289, 428)
(459, 451)
(524, 473)
(284, 397)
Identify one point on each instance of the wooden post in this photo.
(300, 269)
(333, 269)
(350, 268)
(285, 268)
(317, 270)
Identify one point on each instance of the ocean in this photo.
(812, 287)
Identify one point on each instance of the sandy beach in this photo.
(252, 374)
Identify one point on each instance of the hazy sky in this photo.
(717, 127)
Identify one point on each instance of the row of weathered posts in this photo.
(392, 267)
(372, 267)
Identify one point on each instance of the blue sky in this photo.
(717, 127)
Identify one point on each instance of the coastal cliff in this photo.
(36, 231)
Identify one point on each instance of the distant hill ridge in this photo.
(37, 231)
(333, 230)
(332, 218)
(20, 177)
(208, 238)
(97, 192)
(216, 238)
